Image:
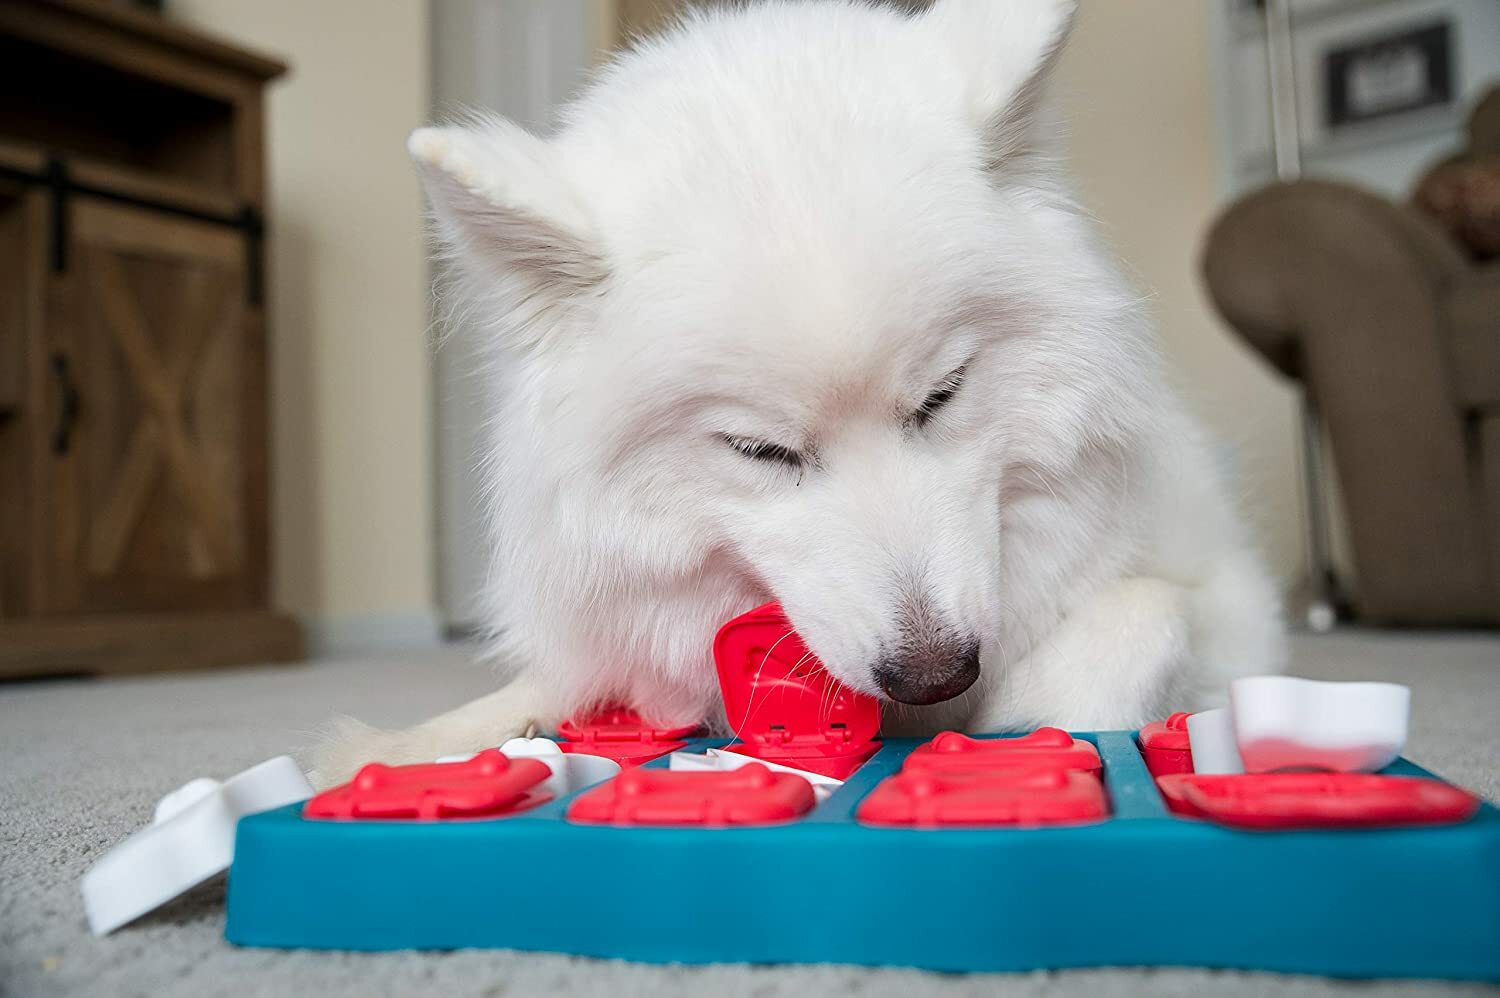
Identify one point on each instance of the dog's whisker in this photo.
(739, 733)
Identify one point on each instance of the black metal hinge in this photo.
(254, 227)
(58, 185)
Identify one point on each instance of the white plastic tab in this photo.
(570, 771)
(721, 760)
(1211, 738)
(190, 839)
(1281, 722)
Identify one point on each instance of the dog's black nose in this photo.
(929, 675)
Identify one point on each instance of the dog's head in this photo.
(786, 293)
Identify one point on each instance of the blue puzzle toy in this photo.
(956, 854)
(1143, 887)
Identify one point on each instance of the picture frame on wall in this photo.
(1387, 76)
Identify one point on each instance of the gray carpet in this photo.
(85, 760)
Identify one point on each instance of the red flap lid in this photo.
(1036, 797)
(486, 786)
(1170, 735)
(1044, 748)
(619, 724)
(777, 693)
(627, 754)
(1316, 800)
(750, 795)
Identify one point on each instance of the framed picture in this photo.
(1394, 74)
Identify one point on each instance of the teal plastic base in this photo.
(1141, 888)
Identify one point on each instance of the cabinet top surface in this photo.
(160, 31)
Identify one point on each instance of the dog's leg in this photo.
(1117, 661)
(507, 713)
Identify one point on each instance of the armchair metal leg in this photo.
(1323, 602)
(1320, 602)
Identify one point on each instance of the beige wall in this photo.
(1137, 91)
(352, 504)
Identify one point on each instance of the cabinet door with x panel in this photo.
(151, 501)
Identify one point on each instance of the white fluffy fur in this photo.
(789, 221)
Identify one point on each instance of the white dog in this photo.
(797, 305)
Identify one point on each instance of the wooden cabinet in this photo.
(133, 394)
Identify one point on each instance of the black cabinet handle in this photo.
(67, 416)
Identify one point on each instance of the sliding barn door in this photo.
(149, 491)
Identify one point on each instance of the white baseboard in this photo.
(346, 635)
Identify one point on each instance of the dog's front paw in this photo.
(346, 744)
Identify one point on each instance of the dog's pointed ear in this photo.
(1006, 49)
(504, 212)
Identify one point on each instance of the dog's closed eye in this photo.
(939, 397)
(764, 450)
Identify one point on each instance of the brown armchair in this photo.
(1393, 327)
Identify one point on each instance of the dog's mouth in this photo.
(919, 676)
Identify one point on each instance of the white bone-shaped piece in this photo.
(719, 761)
(570, 770)
(1282, 722)
(189, 840)
(1211, 739)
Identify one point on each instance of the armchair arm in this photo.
(1289, 252)
(1346, 291)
